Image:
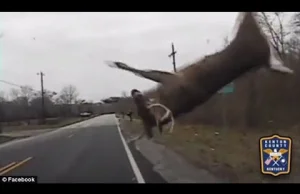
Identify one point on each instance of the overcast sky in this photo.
(70, 48)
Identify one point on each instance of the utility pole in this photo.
(42, 93)
(173, 55)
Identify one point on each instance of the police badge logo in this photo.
(275, 155)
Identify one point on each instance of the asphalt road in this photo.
(93, 151)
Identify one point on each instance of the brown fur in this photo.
(195, 84)
(144, 113)
(201, 80)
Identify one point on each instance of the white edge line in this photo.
(133, 164)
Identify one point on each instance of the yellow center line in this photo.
(7, 166)
(15, 166)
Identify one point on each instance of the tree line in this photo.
(25, 104)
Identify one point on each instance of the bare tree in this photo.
(68, 94)
(2, 96)
(67, 97)
(296, 23)
(26, 93)
(293, 46)
(273, 25)
(294, 42)
(15, 93)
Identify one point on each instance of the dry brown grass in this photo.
(232, 154)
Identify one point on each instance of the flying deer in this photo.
(193, 85)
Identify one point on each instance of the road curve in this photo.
(93, 151)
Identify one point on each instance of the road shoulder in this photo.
(165, 162)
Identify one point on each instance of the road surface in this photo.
(93, 151)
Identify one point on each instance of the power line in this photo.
(20, 86)
(17, 85)
(10, 83)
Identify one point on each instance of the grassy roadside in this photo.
(232, 154)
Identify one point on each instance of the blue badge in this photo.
(275, 155)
